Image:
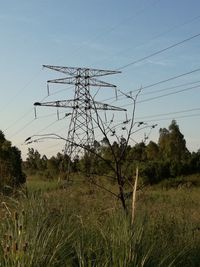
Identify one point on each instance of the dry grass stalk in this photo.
(134, 196)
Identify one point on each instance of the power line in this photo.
(37, 74)
(176, 27)
(49, 125)
(169, 88)
(21, 90)
(21, 129)
(108, 31)
(16, 121)
(55, 93)
(166, 89)
(50, 115)
(59, 130)
(137, 118)
(161, 34)
(153, 116)
(164, 95)
(155, 84)
(159, 51)
(122, 67)
(129, 18)
(169, 113)
(161, 90)
(114, 27)
(145, 87)
(29, 111)
(149, 116)
(22, 117)
(59, 91)
(153, 120)
(174, 118)
(169, 79)
(188, 39)
(172, 93)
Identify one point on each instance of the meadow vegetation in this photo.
(82, 223)
(85, 226)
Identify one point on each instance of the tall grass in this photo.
(80, 227)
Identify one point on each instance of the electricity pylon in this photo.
(81, 129)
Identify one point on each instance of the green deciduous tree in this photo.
(172, 145)
(11, 173)
(152, 151)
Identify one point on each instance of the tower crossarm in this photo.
(74, 80)
(72, 71)
(58, 104)
(104, 106)
(96, 82)
(74, 104)
(68, 80)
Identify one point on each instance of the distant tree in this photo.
(53, 165)
(33, 159)
(152, 151)
(138, 152)
(11, 173)
(172, 144)
(2, 137)
(195, 162)
(43, 162)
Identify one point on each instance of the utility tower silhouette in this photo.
(80, 133)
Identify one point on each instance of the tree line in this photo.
(11, 173)
(167, 158)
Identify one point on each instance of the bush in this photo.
(153, 172)
(10, 164)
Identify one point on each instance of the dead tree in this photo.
(107, 130)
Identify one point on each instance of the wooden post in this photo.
(134, 196)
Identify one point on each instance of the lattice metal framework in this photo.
(81, 128)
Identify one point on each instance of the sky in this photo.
(104, 34)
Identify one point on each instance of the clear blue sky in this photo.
(104, 34)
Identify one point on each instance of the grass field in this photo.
(85, 226)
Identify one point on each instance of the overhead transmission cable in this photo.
(164, 95)
(174, 118)
(168, 113)
(24, 126)
(155, 53)
(160, 34)
(22, 117)
(111, 29)
(134, 62)
(141, 94)
(169, 88)
(108, 31)
(121, 67)
(155, 84)
(153, 120)
(172, 93)
(21, 129)
(20, 91)
(166, 89)
(158, 52)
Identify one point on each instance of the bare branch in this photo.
(132, 123)
(100, 125)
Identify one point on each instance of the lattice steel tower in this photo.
(81, 128)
